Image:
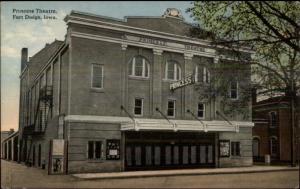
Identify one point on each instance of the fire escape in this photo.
(42, 113)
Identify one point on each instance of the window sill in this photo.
(97, 90)
(169, 80)
(235, 157)
(138, 77)
(95, 160)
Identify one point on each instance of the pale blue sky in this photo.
(33, 34)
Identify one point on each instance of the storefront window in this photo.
(94, 149)
(235, 148)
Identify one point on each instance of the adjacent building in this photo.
(272, 132)
(127, 94)
(9, 145)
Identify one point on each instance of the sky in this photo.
(34, 34)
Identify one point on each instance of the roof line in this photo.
(98, 16)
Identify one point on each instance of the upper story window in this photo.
(171, 108)
(202, 74)
(139, 67)
(173, 71)
(138, 107)
(97, 76)
(201, 110)
(273, 119)
(233, 91)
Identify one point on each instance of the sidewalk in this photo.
(180, 172)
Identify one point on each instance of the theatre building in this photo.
(126, 94)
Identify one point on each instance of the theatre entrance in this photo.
(167, 150)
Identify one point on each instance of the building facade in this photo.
(272, 130)
(121, 95)
(9, 145)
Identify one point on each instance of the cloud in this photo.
(9, 52)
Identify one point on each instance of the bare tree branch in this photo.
(261, 17)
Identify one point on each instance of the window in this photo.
(97, 76)
(255, 147)
(43, 81)
(201, 110)
(138, 106)
(171, 108)
(273, 119)
(94, 149)
(274, 146)
(233, 90)
(173, 71)
(235, 148)
(139, 67)
(205, 76)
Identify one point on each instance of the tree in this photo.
(271, 29)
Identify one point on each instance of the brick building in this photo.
(123, 94)
(272, 129)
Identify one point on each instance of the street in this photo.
(17, 175)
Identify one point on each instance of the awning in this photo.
(183, 125)
(143, 124)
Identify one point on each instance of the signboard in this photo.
(186, 81)
(165, 43)
(224, 148)
(57, 152)
(58, 147)
(113, 149)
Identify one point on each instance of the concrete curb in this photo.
(167, 173)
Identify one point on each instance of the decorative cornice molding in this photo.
(124, 46)
(188, 56)
(142, 31)
(139, 44)
(157, 52)
(216, 60)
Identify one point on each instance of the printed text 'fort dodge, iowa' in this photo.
(34, 14)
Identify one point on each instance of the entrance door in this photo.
(33, 155)
(140, 156)
(39, 155)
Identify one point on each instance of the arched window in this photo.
(274, 146)
(202, 74)
(173, 71)
(139, 67)
(255, 147)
